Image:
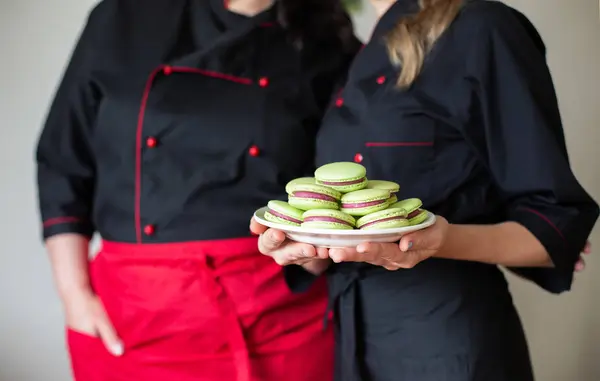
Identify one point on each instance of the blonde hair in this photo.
(412, 38)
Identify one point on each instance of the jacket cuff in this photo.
(563, 255)
(67, 224)
(552, 280)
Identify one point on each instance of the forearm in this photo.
(69, 258)
(506, 244)
(317, 266)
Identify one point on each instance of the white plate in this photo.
(341, 238)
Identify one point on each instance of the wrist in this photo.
(75, 293)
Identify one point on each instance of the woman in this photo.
(173, 122)
(453, 100)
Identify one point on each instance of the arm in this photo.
(66, 174)
(65, 171)
(489, 244)
(519, 137)
(513, 125)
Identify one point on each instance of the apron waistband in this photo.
(226, 247)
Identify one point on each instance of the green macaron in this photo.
(416, 215)
(281, 212)
(365, 201)
(313, 196)
(390, 186)
(393, 199)
(384, 219)
(328, 219)
(300, 180)
(342, 176)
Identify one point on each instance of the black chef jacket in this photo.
(478, 138)
(176, 120)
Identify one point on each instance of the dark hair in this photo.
(320, 22)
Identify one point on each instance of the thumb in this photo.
(272, 239)
(108, 335)
(411, 241)
(257, 228)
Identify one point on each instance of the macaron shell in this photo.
(359, 212)
(278, 220)
(340, 171)
(348, 188)
(381, 215)
(308, 204)
(393, 199)
(365, 196)
(409, 204)
(315, 188)
(325, 225)
(328, 213)
(300, 180)
(286, 209)
(383, 184)
(387, 225)
(419, 219)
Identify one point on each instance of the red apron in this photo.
(203, 311)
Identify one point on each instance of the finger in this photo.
(580, 265)
(270, 240)
(410, 242)
(339, 255)
(257, 228)
(294, 253)
(587, 249)
(322, 252)
(389, 255)
(369, 251)
(108, 335)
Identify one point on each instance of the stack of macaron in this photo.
(340, 196)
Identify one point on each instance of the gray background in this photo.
(36, 37)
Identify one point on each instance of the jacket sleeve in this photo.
(518, 134)
(65, 161)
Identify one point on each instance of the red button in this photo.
(149, 229)
(358, 158)
(381, 80)
(167, 70)
(263, 82)
(339, 102)
(254, 151)
(151, 142)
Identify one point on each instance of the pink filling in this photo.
(334, 183)
(363, 204)
(326, 219)
(415, 213)
(317, 196)
(382, 220)
(284, 217)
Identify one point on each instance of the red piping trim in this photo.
(267, 24)
(399, 144)
(138, 153)
(546, 219)
(208, 73)
(60, 220)
(140, 128)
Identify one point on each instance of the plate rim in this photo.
(352, 233)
